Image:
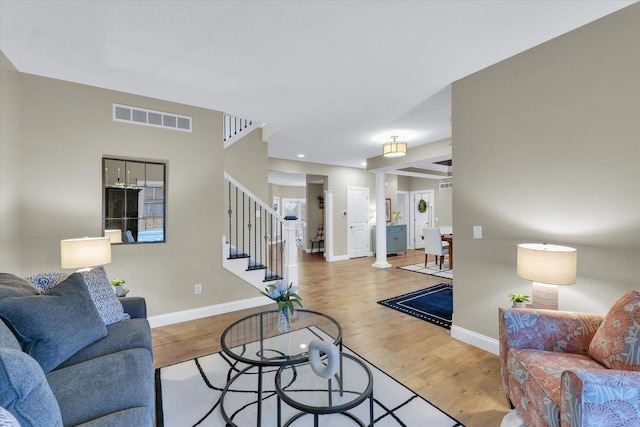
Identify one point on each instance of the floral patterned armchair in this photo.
(561, 368)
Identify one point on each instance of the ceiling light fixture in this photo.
(394, 148)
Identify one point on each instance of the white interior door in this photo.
(421, 219)
(358, 221)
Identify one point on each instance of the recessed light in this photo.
(300, 155)
(363, 164)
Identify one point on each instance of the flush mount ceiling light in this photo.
(394, 148)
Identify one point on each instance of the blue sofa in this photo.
(61, 364)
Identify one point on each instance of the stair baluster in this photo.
(262, 232)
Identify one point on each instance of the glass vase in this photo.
(284, 320)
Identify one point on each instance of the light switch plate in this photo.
(477, 232)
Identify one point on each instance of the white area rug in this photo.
(432, 269)
(190, 396)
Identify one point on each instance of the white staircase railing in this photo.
(259, 235)
(234, 128)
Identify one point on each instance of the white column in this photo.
(381, 223)
(328, 225)
(290, 253)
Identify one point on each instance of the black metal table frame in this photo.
(316, 411)
(279, 361)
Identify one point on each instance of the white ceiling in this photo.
(337, 77)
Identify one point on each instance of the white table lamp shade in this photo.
(546, 266)
(114, 235)
(551, 264)
(85, 252)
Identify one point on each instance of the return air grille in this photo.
(142, 116)
(446, 185)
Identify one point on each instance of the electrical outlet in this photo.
(197, 289)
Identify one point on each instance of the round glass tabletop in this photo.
(255, 339)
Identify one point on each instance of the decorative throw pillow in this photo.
(44, 281)
(101, 291)
(26, 395)
(615, 343)
(14, 286)
(53, 326)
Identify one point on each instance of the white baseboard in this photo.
(475, 339)
(338, 258)
(211, 310)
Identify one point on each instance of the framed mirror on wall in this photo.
(134, 200)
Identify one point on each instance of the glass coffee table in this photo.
(255, 341)
(299, 387)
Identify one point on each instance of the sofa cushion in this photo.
(100, 289)
(132, 333)
(25, 391)
(8, 339)
(47, 325)
(14, 286)
(138, 417)
(123, 379)
(616, 343)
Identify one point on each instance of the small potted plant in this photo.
(519, 300)
(118, 285)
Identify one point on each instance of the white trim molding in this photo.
(475, 339)
(211, 310)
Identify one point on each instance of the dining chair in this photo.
(433, 245)
(319, 239)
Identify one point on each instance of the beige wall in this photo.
(10, 106)
(65, 130)
(287, 192)
(547, 149)
(247, 161)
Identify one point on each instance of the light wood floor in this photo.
(460, 379)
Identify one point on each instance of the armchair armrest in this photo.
(136, 307)
(600, 397)
(551, 330)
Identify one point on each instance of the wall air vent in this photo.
(446, 185)
(143, 116)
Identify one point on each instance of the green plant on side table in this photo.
(519, 300)
(118, 287)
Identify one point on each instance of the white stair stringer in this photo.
(241, 134)
(238, 267)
